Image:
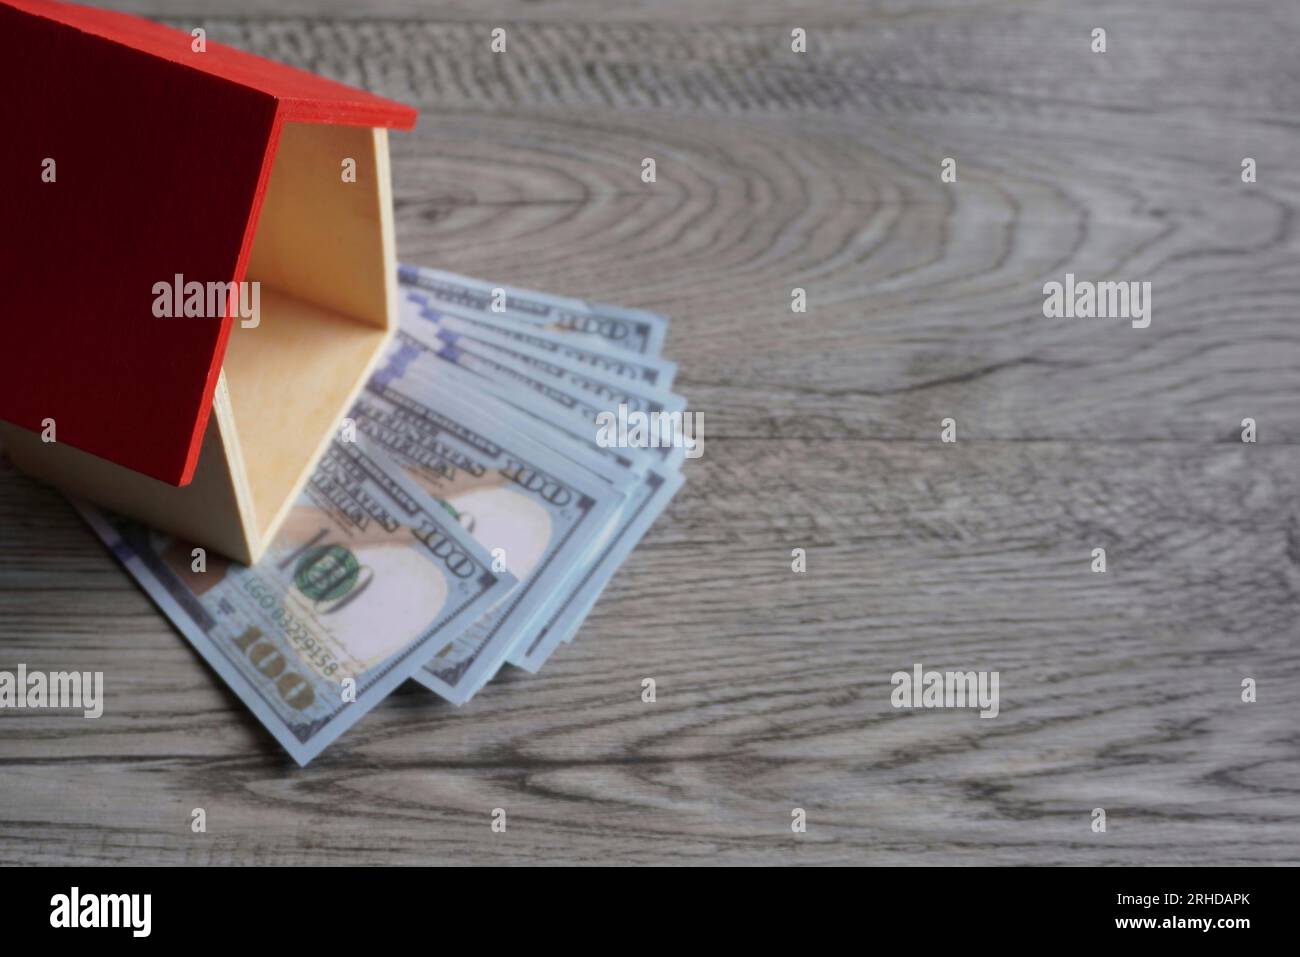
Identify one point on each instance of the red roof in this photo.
(162, 157)
(304, 97)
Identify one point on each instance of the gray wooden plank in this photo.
(924, 295)
(1118, 690)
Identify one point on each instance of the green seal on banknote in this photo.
(327, 573)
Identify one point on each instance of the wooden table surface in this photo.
(819, 170)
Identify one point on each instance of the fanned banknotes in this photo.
(467, 516)
(571, 399)
(368, 578)
(578, 347)
(633, 329)
(539, 514)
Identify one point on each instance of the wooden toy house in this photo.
(137, 160)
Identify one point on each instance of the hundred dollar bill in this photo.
(653, 489)
(566, 427)
(567, 432)
(571, 434)
(602, 389)
(539, 392)
(537, 513)
(633, 329)
(576, 347)
(368, 579)
(646, 489)
(656, 489)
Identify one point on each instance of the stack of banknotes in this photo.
(467, 516)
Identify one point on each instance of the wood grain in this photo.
(1119, 690)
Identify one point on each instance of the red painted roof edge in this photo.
(304, 97)
(227, 324)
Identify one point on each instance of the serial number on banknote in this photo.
(324, 662)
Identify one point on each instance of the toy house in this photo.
(141, 165)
